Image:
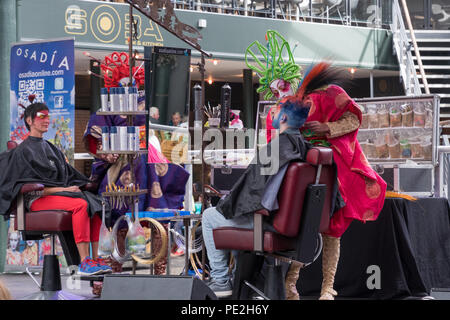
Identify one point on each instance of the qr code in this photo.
(29, 87)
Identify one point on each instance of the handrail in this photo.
(416, 48)
(403, 50)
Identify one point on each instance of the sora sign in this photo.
(108, 24)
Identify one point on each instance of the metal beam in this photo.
(8, 30)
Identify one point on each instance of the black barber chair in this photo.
(39, 224)
(305, 200)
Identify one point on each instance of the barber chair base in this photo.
(51, 283)
(274, 284)
(53, 295)
(247, 285)
(248, 262)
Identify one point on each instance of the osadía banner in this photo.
(44, 70)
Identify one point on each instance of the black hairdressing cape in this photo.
(36, 160)
(246, 194)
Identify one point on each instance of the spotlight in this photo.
(352, 70)
(210, 81)
(215, 62)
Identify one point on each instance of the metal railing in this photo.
(402, 48)
(347, 12)
(444, 162)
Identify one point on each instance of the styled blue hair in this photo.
(297, 113)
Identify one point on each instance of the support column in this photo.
(8, 31)
(247, 99)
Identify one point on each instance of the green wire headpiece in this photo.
(274, 65)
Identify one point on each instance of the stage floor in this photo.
(21, 285)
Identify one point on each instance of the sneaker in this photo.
(221, 289)
(89, 267)
(177, 253)
(102, 263)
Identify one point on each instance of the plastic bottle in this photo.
(132, 99)
(104, 99)
(123, 138)
(114, 99)
(137, 131)
(105, 138)
(121, 98)
(131, 133)
(113, 139)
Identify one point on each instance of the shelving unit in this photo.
(407, 150)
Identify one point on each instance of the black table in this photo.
(409, 243)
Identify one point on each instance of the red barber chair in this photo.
(37, 225)
(305, 199)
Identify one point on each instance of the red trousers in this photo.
(84, 228)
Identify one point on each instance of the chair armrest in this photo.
(90, 186)
(263, 212)
(319, 155)
(30, 187)
(20, 204)
(258, 232)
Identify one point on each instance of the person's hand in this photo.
(111, 158)
(72, 189)
(317, 127)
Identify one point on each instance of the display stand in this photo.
(184, 33)
(399, 136)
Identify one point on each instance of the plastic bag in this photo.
(105, 242)
(116, 254)
(135, 240)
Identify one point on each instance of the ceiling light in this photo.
(210, 81)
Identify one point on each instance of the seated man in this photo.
(36, 160)
(250, 193)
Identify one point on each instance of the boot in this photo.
(330, 258)
(290, 283)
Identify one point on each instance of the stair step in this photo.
(435, 66)
(434, 48)
(432, 57)
(437, 85)
(428, 32)
(418, 39)
(435, 76)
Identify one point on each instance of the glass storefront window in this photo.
(373, 13)
(440, 14)
(416, 10)
(329, 10)
(366, 11)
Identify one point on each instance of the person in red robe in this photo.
(333, 121)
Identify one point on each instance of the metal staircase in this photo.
(434, 48)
